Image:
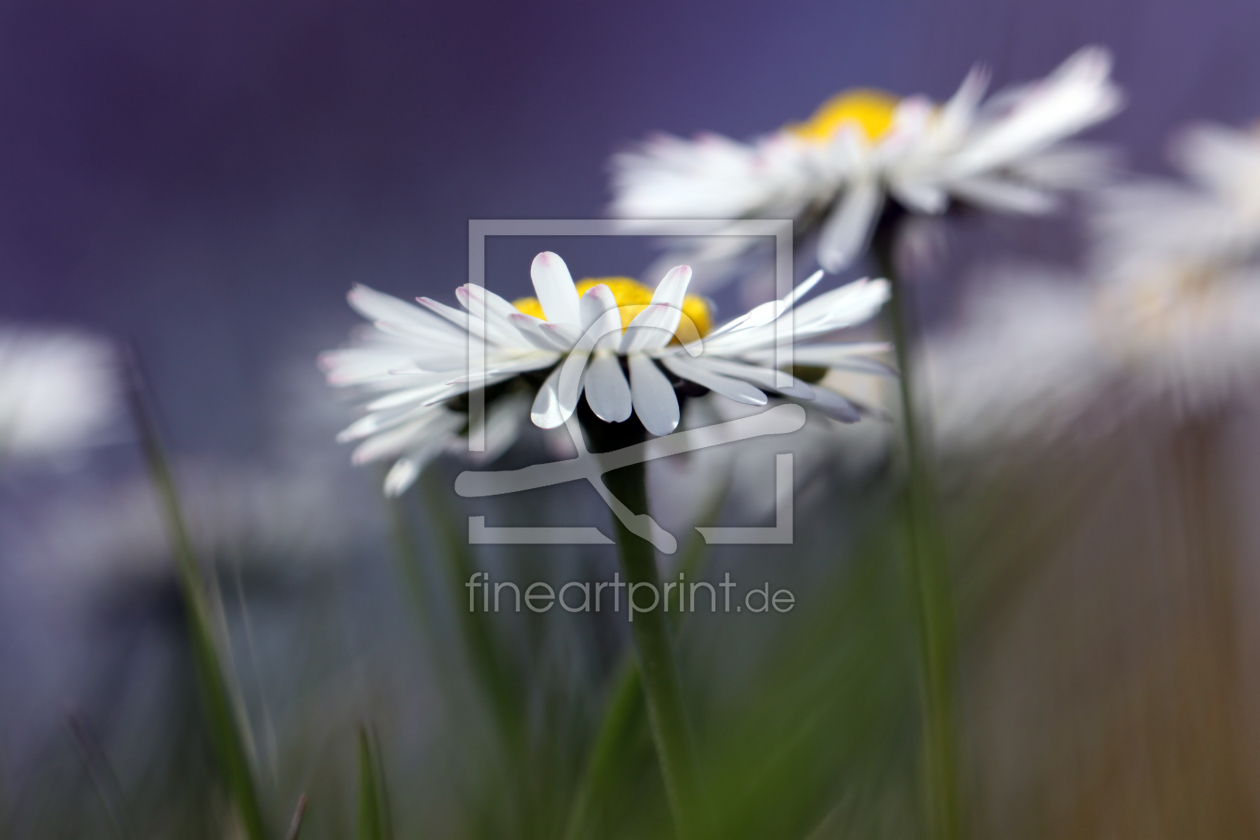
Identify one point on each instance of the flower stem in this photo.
(927, 570)
(658, 671)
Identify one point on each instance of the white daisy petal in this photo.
(523, 364)
(763, 377)
(1004, 195)
(395, 441)
(381, 420)
(672, 289)
(601, 320)
(655, 403)
(572, 380)
(535, 332)
(836, 406)
(848, 228)
(554, 286)
(502, 426)
(545, 412)
(607, 391)
(695, 370)
(408, 468)
(651, 329)
(377, 306)
(957, 114)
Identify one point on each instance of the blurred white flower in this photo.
(589, 336)
(59, 390)
(1179, 280)
(1213, 219)
(863, 147)
(1023, 364)
(1036, 358)
(1185, 336)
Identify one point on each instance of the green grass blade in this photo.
(374, 817)
(103, 778)
(223, 717)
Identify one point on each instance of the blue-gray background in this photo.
(208, 179)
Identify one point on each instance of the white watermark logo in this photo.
(680, 596)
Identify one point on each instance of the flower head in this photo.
(625, 349)
(862, 148)
(1211, 219)
(1176, 263)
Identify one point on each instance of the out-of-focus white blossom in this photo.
(1023, 364)
(1214, 218)
(59, 390)
(863, 148)
(1178, 274)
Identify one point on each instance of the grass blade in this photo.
(103, 778)
(223, 716)
(374, 818)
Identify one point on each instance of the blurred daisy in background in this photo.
(1179, 282)
(627, 349)
(59, 390)
(1213, 218)
(1167, 317)
(1023, 365)
(865, 150)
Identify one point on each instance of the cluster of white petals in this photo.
(1007, 153)
(413, 361)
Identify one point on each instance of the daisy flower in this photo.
(1187, 335)
(625, 349)
(1023, 365)
(864, 148)
(58, 390)
(1215, 217)
(1178, 273)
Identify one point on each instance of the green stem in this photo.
(223, 716)
(624, 711)
(927, 570)
(657, 669)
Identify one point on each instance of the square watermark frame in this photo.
(481, 229)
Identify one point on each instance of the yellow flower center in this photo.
(870, 110)
(632, 298)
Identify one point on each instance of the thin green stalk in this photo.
(624, 710)
(374, 816)
(223, 717)
(657, 667)
(927, 571)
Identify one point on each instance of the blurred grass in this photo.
(375, 822)
(221, 708)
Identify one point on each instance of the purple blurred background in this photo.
(209, 179)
